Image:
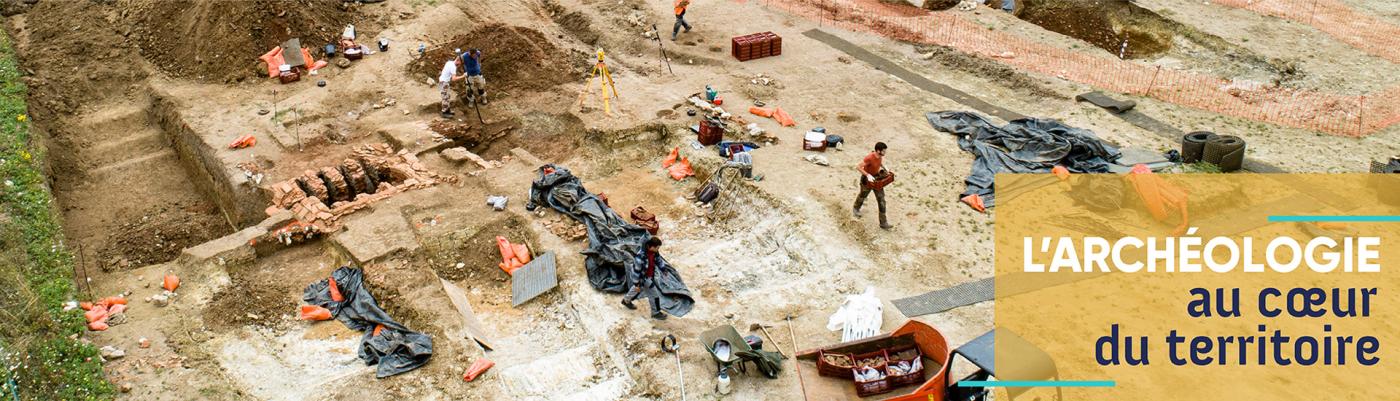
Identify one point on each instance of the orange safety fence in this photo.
(1333, 17)
(1338, 114)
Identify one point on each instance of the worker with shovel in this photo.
(450, 73)
(643, 277)
(870, 168)
(476, 83)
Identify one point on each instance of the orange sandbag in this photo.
(761, 112)
(306, 56)
(1061, 172)
(478, 367)
(97, 313)
(171, 282)
(243, 142)
(115, 309)
(319, 65)
(97, 326)
(1160, 196)
(671, 158)
(274, 59)
(109, 301)
(783, 117)
(85, 305)
(975, 201)
(507, 251)
(522, 253)
(681, 170)
(335, 290)
(314, 313)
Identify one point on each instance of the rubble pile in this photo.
(318, 198)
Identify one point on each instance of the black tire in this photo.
(1226, 151)
(1193, 145)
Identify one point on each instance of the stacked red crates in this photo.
(756, 46)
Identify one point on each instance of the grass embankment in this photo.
(39, 341)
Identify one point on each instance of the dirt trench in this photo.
(124, 191)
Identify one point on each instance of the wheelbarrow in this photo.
(726, 347)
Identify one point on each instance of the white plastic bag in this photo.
(860, 317)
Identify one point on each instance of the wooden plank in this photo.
(473, 325)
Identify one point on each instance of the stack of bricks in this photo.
(756, 46)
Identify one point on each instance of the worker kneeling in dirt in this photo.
(643, 278)
(872, 170)
(476, 83)
(450, 73)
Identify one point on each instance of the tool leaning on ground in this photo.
(793, 337)
(664, 57)
(672, 346)
(471, 89)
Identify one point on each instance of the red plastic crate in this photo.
(756, 45)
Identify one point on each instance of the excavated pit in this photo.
(1119, 27)
(129, 190)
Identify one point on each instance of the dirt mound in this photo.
(69, 64)
(160, 234)
(249, 301)
(217, 40)
(512, 58)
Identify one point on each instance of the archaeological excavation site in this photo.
(603, 200)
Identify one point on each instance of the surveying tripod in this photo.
(607, 90)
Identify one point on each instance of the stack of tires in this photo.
(1224, 151)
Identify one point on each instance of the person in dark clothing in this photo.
(870, 168)
(471, 63)
(643, 278)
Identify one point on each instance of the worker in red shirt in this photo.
(681, 5)
(643, 274)
(870, 168)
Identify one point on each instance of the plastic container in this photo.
(876, 386)
(898, 354)
(828, 369)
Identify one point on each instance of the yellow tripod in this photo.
(605, 86)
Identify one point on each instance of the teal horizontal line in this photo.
(1038, 383)
(1350, 219)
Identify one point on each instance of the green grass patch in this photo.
(1202, 168)
(39, 341)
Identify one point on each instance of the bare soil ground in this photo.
(785, 245)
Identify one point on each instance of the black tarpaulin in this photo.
(396, 349)
(1030, 145)
(613, 243)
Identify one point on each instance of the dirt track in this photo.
(135, 186)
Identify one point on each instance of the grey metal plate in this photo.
(535, 278)
(948, 298)
(1114, 106)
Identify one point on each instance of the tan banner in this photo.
(1198, 286)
